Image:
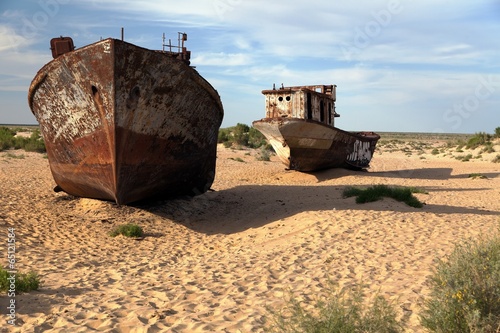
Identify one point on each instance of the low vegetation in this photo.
(464, 158)
(464, 298)
(24, 282)
(9, 140)
(242, 135)
(264, 154)
(441, 143)
(477, 175)
(344, 311)
(488, 148)
(237, 159)
(15, 156)
(377, 192)
(128, 230)
(465, 290)
(479, 139)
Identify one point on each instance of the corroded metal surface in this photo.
(303, 102)
(301, 130)
(124, 123)
(61, 45)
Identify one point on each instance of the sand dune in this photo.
(217, 262)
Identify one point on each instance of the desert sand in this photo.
(219, 261)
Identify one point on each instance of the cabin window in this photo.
(280, 98)
(309, 106)
(287, 98)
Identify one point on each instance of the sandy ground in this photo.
(218, 262)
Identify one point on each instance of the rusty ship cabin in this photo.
(303, 102)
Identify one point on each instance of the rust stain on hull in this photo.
(299, 124)
(124, 123)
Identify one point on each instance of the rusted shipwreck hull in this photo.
(124, 123)
(308, 145)
(299, 125)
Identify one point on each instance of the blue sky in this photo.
(399, 65)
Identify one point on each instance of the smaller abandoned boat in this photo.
(125, 123)
(299, 124)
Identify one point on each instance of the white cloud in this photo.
(190, 13)
(222, 59)
(242, 43)
(10, 40)
(449, 49)
(18, 61)
(375, 31)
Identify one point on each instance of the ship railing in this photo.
(179, 50)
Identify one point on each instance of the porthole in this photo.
(280, 99)
(288, 98)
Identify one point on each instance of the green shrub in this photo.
(241, 135)
(344, 311)
(6, 138)
(478, 139)
(465, 290)
(264, 154)
(464, 158)
(223, 135)
(9, 140)
(34, 142)
(255, 138)
(496, 159)
(127, 230)
(435, 151)
(19, 157)
(488, 148)
(377, 192)
(25, 282)
(477, 175)
(497, 132)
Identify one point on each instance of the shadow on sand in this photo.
(423, 173)
(252, 206)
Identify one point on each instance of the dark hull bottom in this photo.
(309, 159)
(171, 180)
(143, 167)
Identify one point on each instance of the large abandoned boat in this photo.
(299, 124)
(124, 123)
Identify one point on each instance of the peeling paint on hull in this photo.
(124, 123)
(308, 145)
